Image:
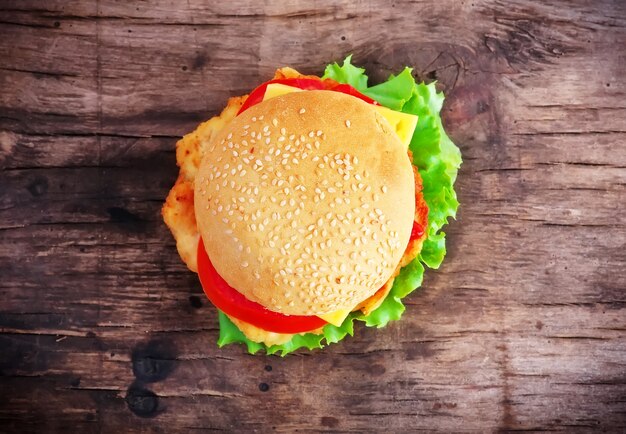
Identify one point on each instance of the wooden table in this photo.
(103, 329)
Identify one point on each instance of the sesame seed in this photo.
(302, 111)
(348, 123)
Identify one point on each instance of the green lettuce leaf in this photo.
(438, 161)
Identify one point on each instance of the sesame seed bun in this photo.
(305, 202)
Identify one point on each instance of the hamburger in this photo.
(313, 202)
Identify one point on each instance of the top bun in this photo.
(305, 202)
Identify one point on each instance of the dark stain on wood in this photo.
(127, 220)
(376, 370)
(507, 420)
(142, 402)
(329, 421)
(195, 301)
(122, 215)
(154, 360)
(200, 60)
(446, 405)
(420, 350)
(38, 187)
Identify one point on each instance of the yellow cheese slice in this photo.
(276, 89)
(403, 123)
(337, 317)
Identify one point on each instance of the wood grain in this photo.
(102, 328)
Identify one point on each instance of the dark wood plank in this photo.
(103, 329)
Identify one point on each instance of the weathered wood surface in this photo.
(104, 330)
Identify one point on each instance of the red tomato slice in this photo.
(417, 231)
(306, 83)
(256, 96)
(233, 303)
